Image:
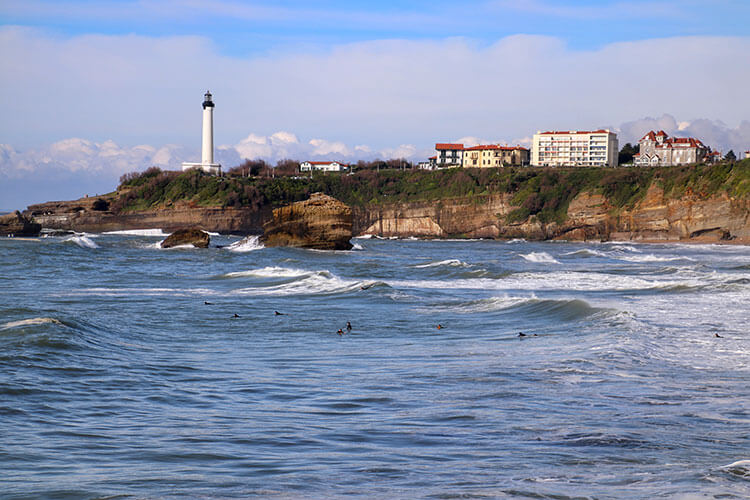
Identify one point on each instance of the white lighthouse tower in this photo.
(207, 156)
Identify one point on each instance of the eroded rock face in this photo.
(188, 236)
(321, 222)
(17, 225)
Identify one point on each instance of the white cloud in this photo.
(138, 89)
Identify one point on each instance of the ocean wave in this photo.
(127, 292)
(357, 246)
(449, 262)
(82, 240)
(652, 258)
(516, 240)
(587, 252)
(540, 257)
(364, 237)
(480, 306)
(29, 322)
(559, 280)
(247, 244)
(139, 232)
(319, 283)
(272, 272)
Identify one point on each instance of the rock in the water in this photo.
(17, 225)
(321, 222)
(190, 236)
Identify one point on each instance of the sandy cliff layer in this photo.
(589, 217)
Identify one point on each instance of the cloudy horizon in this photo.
(91, 93)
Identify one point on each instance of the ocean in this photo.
(128, 371)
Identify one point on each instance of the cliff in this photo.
(690, 203)
(589, 217)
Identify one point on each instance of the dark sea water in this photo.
(117, 380)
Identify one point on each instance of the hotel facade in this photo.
(575, 148)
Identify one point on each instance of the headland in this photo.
(694, 203)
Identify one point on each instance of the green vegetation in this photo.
(544, 193)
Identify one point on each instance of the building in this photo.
(747, 154)
(575, 148)
(449, 155)
(430, 164)
(657, 149)
(493, 155)
(323, 166)
(207, 154)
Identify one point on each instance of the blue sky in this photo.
(92, 90)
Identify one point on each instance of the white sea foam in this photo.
(482, 305)
(29, 322)
(83, 240)
(357, 246)
(321, 282)
(449, 262)
(364, 237)
(139, 232)
(516, 240)
(651, 258)
(588, 252)
(272, 272)
(540, 257)
(247, 244)
(126, 292)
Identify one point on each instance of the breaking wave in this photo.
(83, 241)
(540, 257)
(29, 322)
(247, 244)
(449, 262)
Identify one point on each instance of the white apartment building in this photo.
(449, 155)
(575, 148)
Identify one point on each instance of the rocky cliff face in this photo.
(320, 222)
(16, 224)
(79, 215)
(589, 217)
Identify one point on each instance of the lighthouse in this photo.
(207, 153)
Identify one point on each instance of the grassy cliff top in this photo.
(544, 192)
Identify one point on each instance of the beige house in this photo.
(575, 148)
(657, 149)
(493, 155)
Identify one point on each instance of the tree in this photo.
(627, 152)
(730, 156)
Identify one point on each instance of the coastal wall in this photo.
(589, 217)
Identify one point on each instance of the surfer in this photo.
(207, 303)
(277, 313)
(439, 327)
(718, 336)
(236, 315)
(340, 332)
(348, 326)
(366, 286)
(521, 334)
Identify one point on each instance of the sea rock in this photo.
(17, 225)
(320, 222)
(188, 236)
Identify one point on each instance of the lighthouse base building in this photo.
(207, 157)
